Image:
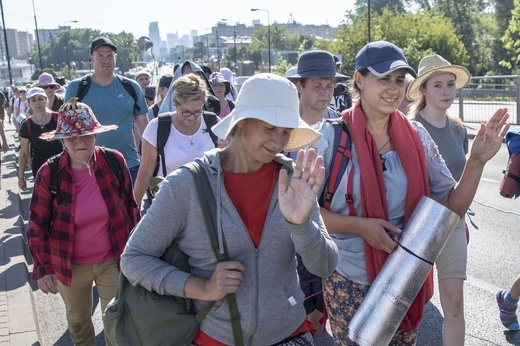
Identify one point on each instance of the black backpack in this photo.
(87, 80)
(163, 132)
(55, 183)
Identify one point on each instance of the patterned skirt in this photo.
(342, 299)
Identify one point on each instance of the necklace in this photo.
(42, 123)
(383, 159)
(384, 145)
(189, 138)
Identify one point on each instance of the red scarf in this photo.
(410, 149)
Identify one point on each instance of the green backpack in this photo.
(137, 316)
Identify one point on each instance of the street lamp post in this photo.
(218, 49)
(268, 34)
(37, 38)
(7, 57)
(67, 44)
(235, 37)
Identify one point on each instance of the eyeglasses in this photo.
(47, 87)
(186, 113)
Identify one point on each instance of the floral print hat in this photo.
(76, 119)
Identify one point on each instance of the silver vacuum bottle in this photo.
(403, 274)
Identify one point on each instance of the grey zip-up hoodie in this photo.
(270, 300)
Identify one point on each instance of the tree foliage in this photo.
(511, 39)
(77, 42)
(416, 34)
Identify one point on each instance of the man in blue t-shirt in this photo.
(112, 104)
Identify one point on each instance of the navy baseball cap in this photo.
(382, 58)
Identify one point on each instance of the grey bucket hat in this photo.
(317, 63)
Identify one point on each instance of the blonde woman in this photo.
(189, 136)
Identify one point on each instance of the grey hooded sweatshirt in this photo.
(270, 300)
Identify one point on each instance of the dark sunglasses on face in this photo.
(23, 91)
(47, 87)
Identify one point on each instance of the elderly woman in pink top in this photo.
(80, 217)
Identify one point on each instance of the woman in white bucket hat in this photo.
(267, 212)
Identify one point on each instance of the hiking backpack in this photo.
(84, 85)
(340, 160)
(55, 182)
(163, 132)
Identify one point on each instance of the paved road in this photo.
(493, 264)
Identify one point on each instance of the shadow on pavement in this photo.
(430, 329)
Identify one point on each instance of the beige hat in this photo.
(434, 65)
(273, 99)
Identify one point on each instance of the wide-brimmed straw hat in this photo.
(76, 119)
(319, 64)
(434, 65)
(273, 99)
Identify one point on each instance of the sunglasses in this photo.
(150, 98)
(48, 87)
(23, 91)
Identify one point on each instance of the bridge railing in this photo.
(483, 95)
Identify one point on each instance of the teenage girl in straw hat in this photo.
(433, 92)
(77, 239)
(267, 212)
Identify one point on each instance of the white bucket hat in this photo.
(273, 99)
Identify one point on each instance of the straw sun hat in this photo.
(273, 99)
(433, 65)
(76, 119)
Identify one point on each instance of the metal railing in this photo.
(479, 100)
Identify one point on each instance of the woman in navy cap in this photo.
(394, 162)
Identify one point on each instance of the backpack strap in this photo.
(28, 121)
(115, 167)
(209, 210)
(55, 181)
(84, 85)
(163, 132)
(129, 89)
(155, 110)
(343, 145)
(210, 119)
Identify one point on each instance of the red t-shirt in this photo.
(251, 194)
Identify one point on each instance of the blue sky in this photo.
(173, 16)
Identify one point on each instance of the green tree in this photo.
(417, 34)
(377, 6)
(511, 40)
(78, 42)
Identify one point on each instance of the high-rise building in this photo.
(155, 37)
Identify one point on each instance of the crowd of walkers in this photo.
(298, 254)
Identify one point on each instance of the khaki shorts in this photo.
(453, 258)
